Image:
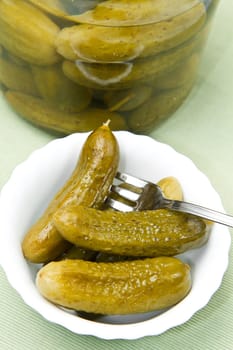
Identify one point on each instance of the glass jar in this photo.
(69, 65)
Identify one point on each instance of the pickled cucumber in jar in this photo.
(113, 55)
(119, 43)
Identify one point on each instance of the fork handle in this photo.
(200, 211)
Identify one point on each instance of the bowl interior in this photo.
(34, 182)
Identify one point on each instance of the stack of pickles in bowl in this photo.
(69, 65)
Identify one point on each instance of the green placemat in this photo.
(202, 129)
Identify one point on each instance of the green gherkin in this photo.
(141, 233)
(115, 288)
(88, 184)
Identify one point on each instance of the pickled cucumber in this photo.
(180, 76)
(133, 12)
(157, 108)
(141, 233)
(101, 56)
(171, 188)
(103, 44)
(26, 32)
(48, 116)
(17, 77)
(115, 288)
(88, 185)
(56, 88)
(129, 74)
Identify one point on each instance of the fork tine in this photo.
(127, 194)
(131, 180)
(117, 205)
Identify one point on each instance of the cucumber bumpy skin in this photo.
(88, 185)
(115, 288)
(147, 233)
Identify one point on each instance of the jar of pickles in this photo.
(69, 65)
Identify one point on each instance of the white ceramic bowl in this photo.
(35, 181)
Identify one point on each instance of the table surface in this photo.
(202, 130)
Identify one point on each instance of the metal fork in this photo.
(145, 195)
